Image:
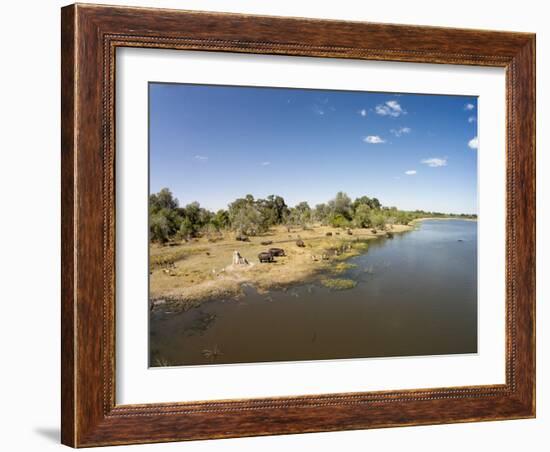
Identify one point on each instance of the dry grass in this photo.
(192, 272)
(170, 255)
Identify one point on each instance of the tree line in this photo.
(248, 216)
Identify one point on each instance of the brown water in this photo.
(416, 295)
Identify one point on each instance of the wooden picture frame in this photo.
(90, 36)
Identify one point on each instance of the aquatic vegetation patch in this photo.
(361, 245)
(339, 283)
(341, 267)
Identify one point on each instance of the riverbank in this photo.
(413, 295)
(418, 220)
(184, 275)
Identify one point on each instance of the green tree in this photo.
(378, 220)
(159, 228)
(363, 200)
(375, 204)
(403, 217)
(273, 209)
(162, 200)
(236, 205)
(341, 205)
(299, 215)
(303, 213)
(193, 213)
(321, 213)
(247, 220)
(187, 229)
(221, 219)
(362, 216)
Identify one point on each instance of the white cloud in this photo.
(363, 112)
(265, 163)
(401, 131)
(322, 106)
(201, 157)
(472, 119)
(394, 105)
(473, 143)
(390, 108)
(318, 110)
(410, 172)
(469, 107)
(374, 139)
(434, 162)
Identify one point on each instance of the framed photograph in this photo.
(281, 225)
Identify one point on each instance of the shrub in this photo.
(339, 221)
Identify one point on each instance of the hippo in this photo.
(300, 243)
(265, 257)
(276, 251)
(267, 242)
(329, 234)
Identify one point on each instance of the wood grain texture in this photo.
(68, 310)
(90, 36)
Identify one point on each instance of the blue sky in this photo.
(213, 144)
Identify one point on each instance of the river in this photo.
(416, 295)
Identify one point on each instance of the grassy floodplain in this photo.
(184, 274)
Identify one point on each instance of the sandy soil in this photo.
(186, 274)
